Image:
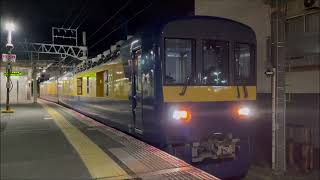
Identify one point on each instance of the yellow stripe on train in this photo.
(208, 93)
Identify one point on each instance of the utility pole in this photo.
(278, 53)
(84, 38)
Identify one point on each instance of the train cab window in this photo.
(178, 60)
(243, 63)
(215, 62)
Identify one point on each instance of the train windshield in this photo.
(212, 65)
(215, 62)
(243, 62)
(178, 60)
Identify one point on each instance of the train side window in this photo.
(178, 60)
(88, 86)
(106, 82)
(79, 86)
(243, 62)
(139, 80)
(215, 62)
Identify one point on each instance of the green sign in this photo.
(15, 73)
(88, 74)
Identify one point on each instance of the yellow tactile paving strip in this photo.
(98, 163)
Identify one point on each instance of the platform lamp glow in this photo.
(10, 27)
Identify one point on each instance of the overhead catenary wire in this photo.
(108, 20)
(70, 14)
(66, 20)
(83, 20)
(118, 27)
(81, 10)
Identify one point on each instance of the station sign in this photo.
(88, 74)
(9, 57)
(15, 73)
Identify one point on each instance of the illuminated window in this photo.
(215, 62)
(243, 62)
(178, 60)
(88, 85)
(106, 82)
(79, 86)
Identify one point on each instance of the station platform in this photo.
(48, 141)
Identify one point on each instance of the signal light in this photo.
(182, 115)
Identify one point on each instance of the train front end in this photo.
(208, 89)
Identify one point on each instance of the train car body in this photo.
(187, 86)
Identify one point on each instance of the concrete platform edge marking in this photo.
(98, 163)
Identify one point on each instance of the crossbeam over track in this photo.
(78, 52)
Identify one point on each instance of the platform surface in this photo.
(48, 141)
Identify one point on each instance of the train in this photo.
(186, 85)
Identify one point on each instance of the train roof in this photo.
(156, 28)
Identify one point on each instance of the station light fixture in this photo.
(10, 26)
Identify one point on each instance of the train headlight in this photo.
(181, 115)
(244, 111)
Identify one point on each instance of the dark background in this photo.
(34, 18)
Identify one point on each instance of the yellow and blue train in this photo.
(187, 85)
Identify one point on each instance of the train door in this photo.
(137, 95)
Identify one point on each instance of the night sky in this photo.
(34, 18)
